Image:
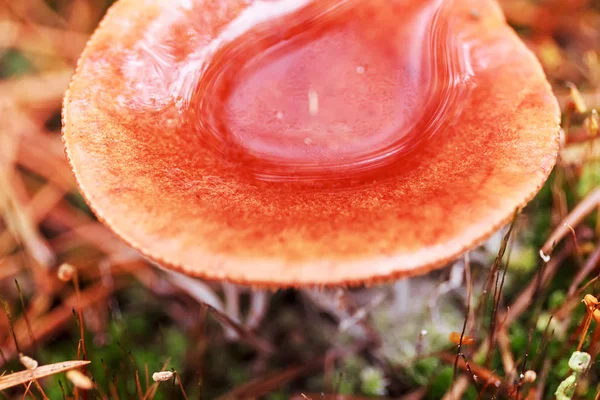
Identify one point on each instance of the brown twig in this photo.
(591, 263)
(585, 206)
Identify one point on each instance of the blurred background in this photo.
(71, 290)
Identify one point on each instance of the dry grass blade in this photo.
(241, 332)
(506, 356)
(42, 88)
(22, 377)
(151, 390)
(485, 375)
(261, 386)
(51, 323)
(27, 39)
(591, 264)
(458, 389)
(20, 224)
(591, 98)
(322, 396)
(578, 154)
(585, 206)
(9, 266)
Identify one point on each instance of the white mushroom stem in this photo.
(232, 308)
(197, 289)
(259, 302)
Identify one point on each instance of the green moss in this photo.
(422, 370)
(440, 383)
(373, 382)
(589, 179)
(13, 63)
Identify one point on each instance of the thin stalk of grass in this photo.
(80, 313)
(462, 333)
(176, 377)
(6, 308)
(138, 385)
(499, 284)
(62, 389)
(25, 317)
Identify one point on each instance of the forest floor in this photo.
(70, 290)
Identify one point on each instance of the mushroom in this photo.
(296, 142)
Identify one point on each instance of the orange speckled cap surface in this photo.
(145, 174)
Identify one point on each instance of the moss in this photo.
(13, 63)
(440, 383)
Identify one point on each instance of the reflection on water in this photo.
(308, 91)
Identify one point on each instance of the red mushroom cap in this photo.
(298, 142)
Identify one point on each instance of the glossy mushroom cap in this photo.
(298, 142)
